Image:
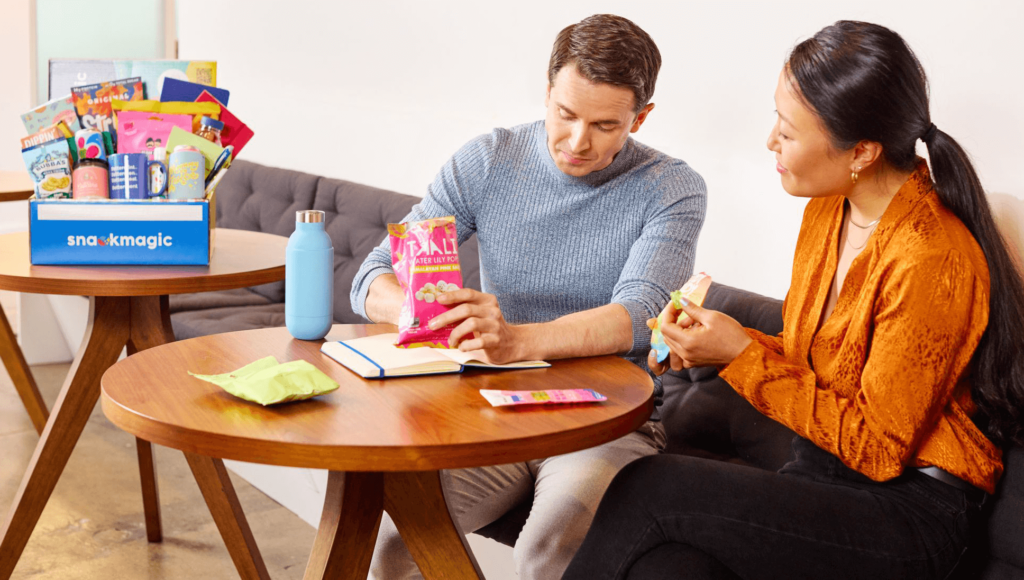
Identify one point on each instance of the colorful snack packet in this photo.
(94, 103)
(426, 261)
(695, 289)
(51, 133)
(196, 110)
(557, 396)
(142, 132)
(49, 164)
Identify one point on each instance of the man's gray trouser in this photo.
(566, 492)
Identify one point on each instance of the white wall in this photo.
(383, 92)
(16, 82)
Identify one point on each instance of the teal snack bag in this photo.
(49, 164)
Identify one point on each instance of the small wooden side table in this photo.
(128, 307)
(15, 186)
(384, 442)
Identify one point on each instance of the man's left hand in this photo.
(482, 326)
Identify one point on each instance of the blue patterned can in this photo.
(186, 170)
(90, 144)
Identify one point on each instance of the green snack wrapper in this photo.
(266, 382)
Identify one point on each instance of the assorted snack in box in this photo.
(695, 289)
(105, 141)
(426, 261)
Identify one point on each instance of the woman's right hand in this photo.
(674, 362)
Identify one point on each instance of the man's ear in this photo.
(641, 117)
(865, 154)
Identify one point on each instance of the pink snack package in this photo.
(426, 261)
(557, 396)
(141, 131)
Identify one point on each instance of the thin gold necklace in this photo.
(874, 223)
(860, 247)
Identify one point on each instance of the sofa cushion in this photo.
(1005, 524)
(357, 218)
(194, 323)
(704, 416)
(258, 198)
(219, 299)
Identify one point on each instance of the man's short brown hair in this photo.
(609, 49)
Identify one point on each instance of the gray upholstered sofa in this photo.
(702, 414)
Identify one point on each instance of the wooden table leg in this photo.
(348, 526)
(105, 336)
(150, 326)
(415, 501)
(213, 480)
(14, 361)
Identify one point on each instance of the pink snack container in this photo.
(425, 257)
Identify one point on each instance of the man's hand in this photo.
(705, 338)
(482, 326)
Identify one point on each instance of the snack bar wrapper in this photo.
(695, 289)
(426, 261)
(552, 397)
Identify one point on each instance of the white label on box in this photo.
(120, 213)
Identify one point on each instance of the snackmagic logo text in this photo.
(151, 242)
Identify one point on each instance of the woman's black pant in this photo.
(674, 516)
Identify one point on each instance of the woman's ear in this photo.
(865, 154)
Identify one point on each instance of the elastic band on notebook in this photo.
(381, 375)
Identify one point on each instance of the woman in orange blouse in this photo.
(900, 366)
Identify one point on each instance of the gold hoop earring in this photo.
(854, 176)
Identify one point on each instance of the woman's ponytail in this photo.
(997, 376)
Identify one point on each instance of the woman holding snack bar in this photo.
(900, 366)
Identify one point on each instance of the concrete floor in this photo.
(93, 526)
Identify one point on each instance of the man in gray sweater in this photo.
(583, 234)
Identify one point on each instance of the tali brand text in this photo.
(112, 240)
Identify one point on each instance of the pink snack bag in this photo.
(426, 261)
(141, 132)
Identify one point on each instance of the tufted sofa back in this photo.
(259, 198)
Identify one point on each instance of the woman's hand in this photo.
(706, 338)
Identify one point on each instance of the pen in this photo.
(219, 163)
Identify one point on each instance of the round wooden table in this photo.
(128, 307)
(382, 440)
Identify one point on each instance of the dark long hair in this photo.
(865, 83)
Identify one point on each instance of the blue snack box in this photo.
(121, 232)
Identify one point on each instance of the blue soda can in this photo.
(186, 170)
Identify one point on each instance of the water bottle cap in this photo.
(310, 216)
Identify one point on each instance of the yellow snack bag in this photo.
(197, 110)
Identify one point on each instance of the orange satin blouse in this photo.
(882, 384)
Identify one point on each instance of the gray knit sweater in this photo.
(552, 244)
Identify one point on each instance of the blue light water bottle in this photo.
(309, 278)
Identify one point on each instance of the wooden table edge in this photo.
(386, 459)
(161, 286)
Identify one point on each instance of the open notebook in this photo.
(376, 357)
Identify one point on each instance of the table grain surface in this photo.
(398, 424)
